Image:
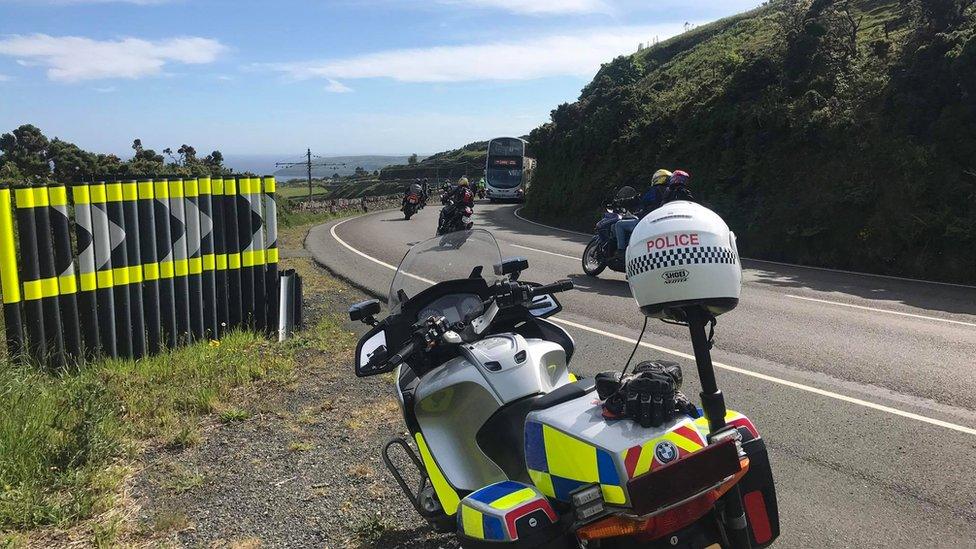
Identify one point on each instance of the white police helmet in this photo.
(683, 255)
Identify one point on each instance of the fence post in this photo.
(87, 296)
(133, 251)
(235, 297)
(102, 230)
(65, 269)
(120, 268)
(271, 255)
(177, 215)
(47, 286)
(257, 252)
(220, 256)
(205, 204)
(244, 237)
(149, 257)
(191, 204)
(10, 280)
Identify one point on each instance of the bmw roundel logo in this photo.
(665, 451)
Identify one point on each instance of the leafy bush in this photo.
(825, 132)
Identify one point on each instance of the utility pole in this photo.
(308, 167)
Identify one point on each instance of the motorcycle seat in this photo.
(567, 392)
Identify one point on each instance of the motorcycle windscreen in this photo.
(454, 256)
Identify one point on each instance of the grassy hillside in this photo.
(825, 132)
(469, 160)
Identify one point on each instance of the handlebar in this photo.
(555, 287)
(403, 354)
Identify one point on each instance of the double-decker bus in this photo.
(508, 171)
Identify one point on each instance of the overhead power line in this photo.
(308, 167)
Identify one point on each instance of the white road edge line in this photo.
(750, 373)
(912, 315)
(899, 313)
(544, 251)
(827, 269)
(516, 213)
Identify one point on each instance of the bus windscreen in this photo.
(504, 178)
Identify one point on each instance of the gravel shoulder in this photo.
(301, 466)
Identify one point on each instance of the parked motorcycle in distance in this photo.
(513, 451)
(599, 254)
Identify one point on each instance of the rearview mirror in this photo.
(372, 355)
(511, 265)
(364, 311)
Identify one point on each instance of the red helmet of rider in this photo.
(679, 177)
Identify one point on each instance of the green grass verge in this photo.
(64, 439)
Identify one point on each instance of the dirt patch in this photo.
(294, 463)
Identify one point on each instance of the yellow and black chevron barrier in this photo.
(129, 268)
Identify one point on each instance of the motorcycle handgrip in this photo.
(555, 287)
(403, 354)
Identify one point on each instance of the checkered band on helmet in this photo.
(676, 257)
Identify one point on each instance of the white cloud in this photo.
(561, 55)
(538, 7)
(5, 78)
(335, 86)
(106, 89)
(75, 58)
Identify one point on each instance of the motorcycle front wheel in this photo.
(593, 265)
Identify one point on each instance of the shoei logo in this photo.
(673, 277)
(665, 451)
(673, 241)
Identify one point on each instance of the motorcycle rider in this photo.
(650, 201)
(413, 188)
(678, 187)
(456, 198)
(425, 184)
(460, 193)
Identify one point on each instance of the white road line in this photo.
(743, 371)
(899, 313)
(771, 379)
(827, 269)
(545, 252)
(516, 213)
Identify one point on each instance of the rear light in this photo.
(663, 523)
(755, 505)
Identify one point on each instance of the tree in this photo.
(187, 153)
(26, 148)
(169, 152)
(412, 160)
(137, 145)
(214, 160)
(70, 163)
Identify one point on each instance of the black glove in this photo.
(650, 398)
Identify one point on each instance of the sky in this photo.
(341, 76)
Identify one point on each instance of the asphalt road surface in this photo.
(864, 387)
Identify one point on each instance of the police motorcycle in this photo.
(412, 201)
(515, 451)
(599, 253)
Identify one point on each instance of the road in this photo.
(864, 387)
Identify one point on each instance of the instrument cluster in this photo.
(454, 308)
